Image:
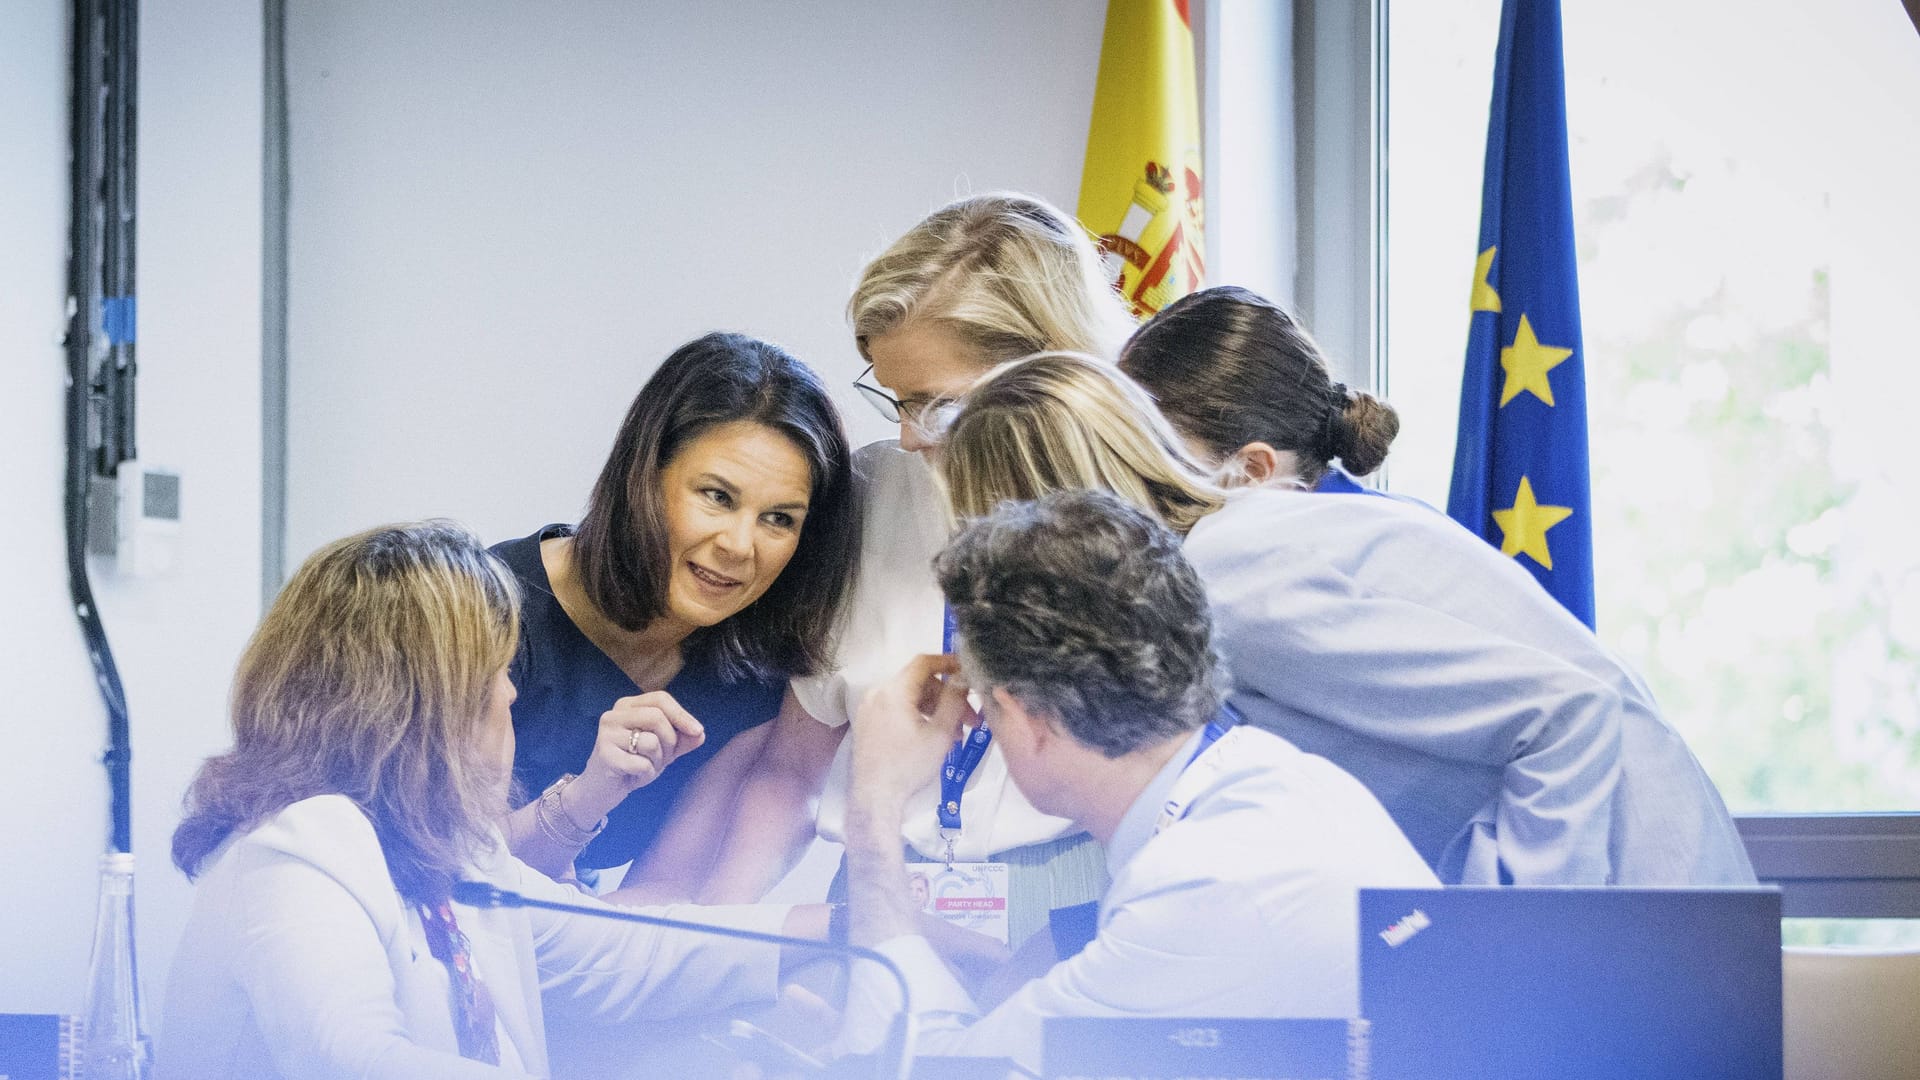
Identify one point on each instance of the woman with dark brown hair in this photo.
(710, 567)
(370, 767)
(1251, 391)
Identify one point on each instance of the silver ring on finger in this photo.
(633, 741)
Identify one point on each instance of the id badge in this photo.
(970, 895)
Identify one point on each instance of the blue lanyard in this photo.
(965, 756)
(1216, 727)
(961, 761)
(1176, 808)
(1208, 736)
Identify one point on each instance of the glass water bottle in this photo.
(114, 1043)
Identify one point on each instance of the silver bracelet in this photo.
(552, 819)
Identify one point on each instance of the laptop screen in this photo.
(1571, 983)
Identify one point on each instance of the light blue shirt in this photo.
(1235, 894)
(1505, 741)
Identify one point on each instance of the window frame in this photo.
(1838, 866)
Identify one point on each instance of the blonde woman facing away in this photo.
(372, 753)
(1507, 744)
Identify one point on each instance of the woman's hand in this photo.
(745, 818)
(639, 737)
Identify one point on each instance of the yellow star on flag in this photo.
(1484, 296)
(1525, 524)
(1527, 362)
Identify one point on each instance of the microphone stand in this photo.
(479, 894)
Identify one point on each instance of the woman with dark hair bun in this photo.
(711, 566)
(1250, 389)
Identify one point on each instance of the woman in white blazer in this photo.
(372, 753)
(1506, 743)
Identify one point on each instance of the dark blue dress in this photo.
(566, 682)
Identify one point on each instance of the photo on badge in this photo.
(921, 890)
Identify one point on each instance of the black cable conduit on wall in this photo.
(100, 339)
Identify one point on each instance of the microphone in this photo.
(480, 894)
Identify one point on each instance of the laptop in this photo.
(1112, 1048)
(1571, 983)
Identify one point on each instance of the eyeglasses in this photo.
(932, 415)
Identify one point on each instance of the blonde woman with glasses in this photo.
(977, 283)
(1507, 744)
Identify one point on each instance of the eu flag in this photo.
(1520, 466)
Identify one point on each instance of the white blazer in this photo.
(300, 960)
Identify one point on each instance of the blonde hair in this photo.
(1009, 273)
(1062, 421)
(370, 677)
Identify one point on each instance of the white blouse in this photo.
(897, 613)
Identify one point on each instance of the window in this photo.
(1744, 181)
(1743, 185)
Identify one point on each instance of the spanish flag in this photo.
(1520, 466)
(1140, 193)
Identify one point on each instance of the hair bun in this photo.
(1363, 431)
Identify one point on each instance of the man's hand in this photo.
(639, 737)
(901, 733)
(903, 730)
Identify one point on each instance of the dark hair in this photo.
(370, 677)
(621, 545)
(1083, 607)
(1230, 367)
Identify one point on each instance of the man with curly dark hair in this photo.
(1085, 635)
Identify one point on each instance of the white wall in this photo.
(502, 221)
(176, 635)
(504, 215)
